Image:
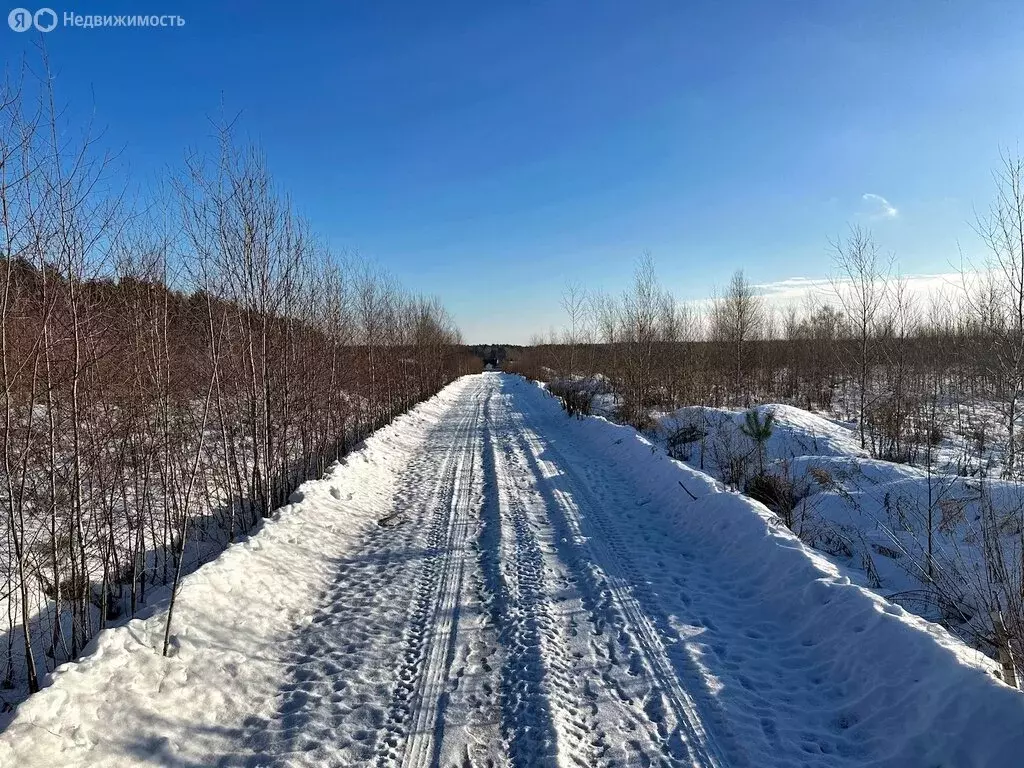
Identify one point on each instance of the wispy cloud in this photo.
(880, 207)
(796, 289)
(945, 289)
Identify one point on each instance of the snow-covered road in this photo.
(490, 583)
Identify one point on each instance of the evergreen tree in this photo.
(759, 430)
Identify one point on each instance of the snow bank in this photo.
(797, 432)
(883, 512)
(872, 515)
(930, 699)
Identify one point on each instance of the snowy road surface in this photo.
(491, 583)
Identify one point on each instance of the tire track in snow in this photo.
(477, 687)
(468, 728)
(414, 728)
(582, 714)
(620, 584)
(609, 688)
(539, 699)
(480, 622)
(332, 700)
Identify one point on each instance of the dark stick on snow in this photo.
(687, 490)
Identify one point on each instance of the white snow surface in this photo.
(543, 593)
(796, 432)
(873, 515)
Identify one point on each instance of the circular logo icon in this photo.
(45, 19)
(20, 19)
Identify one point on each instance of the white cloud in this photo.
(794, 290)
(880, 207)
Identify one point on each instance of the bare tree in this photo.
(999, 300)
(638, 332)
(576, 306)
(860, 288)
(737, 318)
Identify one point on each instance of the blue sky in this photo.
(487, 152)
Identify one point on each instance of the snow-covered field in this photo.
(489, 582)
(875, 516)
